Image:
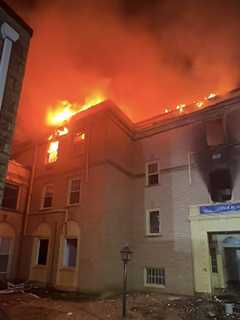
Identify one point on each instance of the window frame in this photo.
(42, 207)
(148, 229)
(37, 246)
(70, 191)
(147, 174)
(154, 285)
(64, 266)
(47, 163)
(18, 196)
(10, 251)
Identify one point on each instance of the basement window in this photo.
(152, 173)
(52, 152)
(220, 184)
(153, 222)
(5, 247)
(74, 191)
(47, 199)
(42, 251)
(10, 196)
(70, 253)
(154, 277)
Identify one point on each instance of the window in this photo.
(47, 199)
(153, 226)
(215, 132)
(152, 173)
(42, 251)
(52, 152)
(79, 143)
(10, 196)
(74, 191)
(155, 277)
(70, 252)
(5, 246)
(220, 185)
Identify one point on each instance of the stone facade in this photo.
(13, 85)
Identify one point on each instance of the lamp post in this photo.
(126, 255)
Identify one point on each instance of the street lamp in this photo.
(126, 255)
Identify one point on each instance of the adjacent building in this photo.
(15, 36)
(168, 186)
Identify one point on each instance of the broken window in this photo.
(52, 152)
(42, 251)
(74, 191)
(79, 143)
(5, 246)
(152, 173)
(70, 252)
(220, 184)
(10, 196)
(153, 222)
(47, 199)
(215, 132)
(155, 276)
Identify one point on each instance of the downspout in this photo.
(9, 36)
(29, 198)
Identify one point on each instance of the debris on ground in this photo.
(140, 306)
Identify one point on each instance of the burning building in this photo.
(168, 186)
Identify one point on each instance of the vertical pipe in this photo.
(29, 198)
(189, 169)
(9, 35)
(124, 289)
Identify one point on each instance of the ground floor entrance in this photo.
(215, 237)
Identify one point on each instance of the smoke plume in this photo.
(145, 57)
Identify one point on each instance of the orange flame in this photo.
(64, 109)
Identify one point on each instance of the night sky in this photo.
(144, 55)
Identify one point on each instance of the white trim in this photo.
(70, 191)
(147, 173)
(147, 230)
(9, 36)
(43, 197)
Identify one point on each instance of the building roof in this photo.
(14, 15)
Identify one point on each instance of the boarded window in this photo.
(215, 132)
(42, 251)
(74, 191)
(152, 173)
(5, 245)
(220, 182)
(10, 196)
(155, 276)
(70, 252)
(47, 199)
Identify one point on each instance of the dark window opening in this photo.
(10, 196)
(154, 222)
(42, 252)
(70, 253)
(220, 183)
(213, 253)
(215, 132)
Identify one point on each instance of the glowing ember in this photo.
(64, 109)
(199, 104)
(53, 151)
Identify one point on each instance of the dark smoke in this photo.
(144, 55)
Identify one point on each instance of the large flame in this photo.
(65, 109)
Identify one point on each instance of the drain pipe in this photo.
(29, 197)
(9, 36)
